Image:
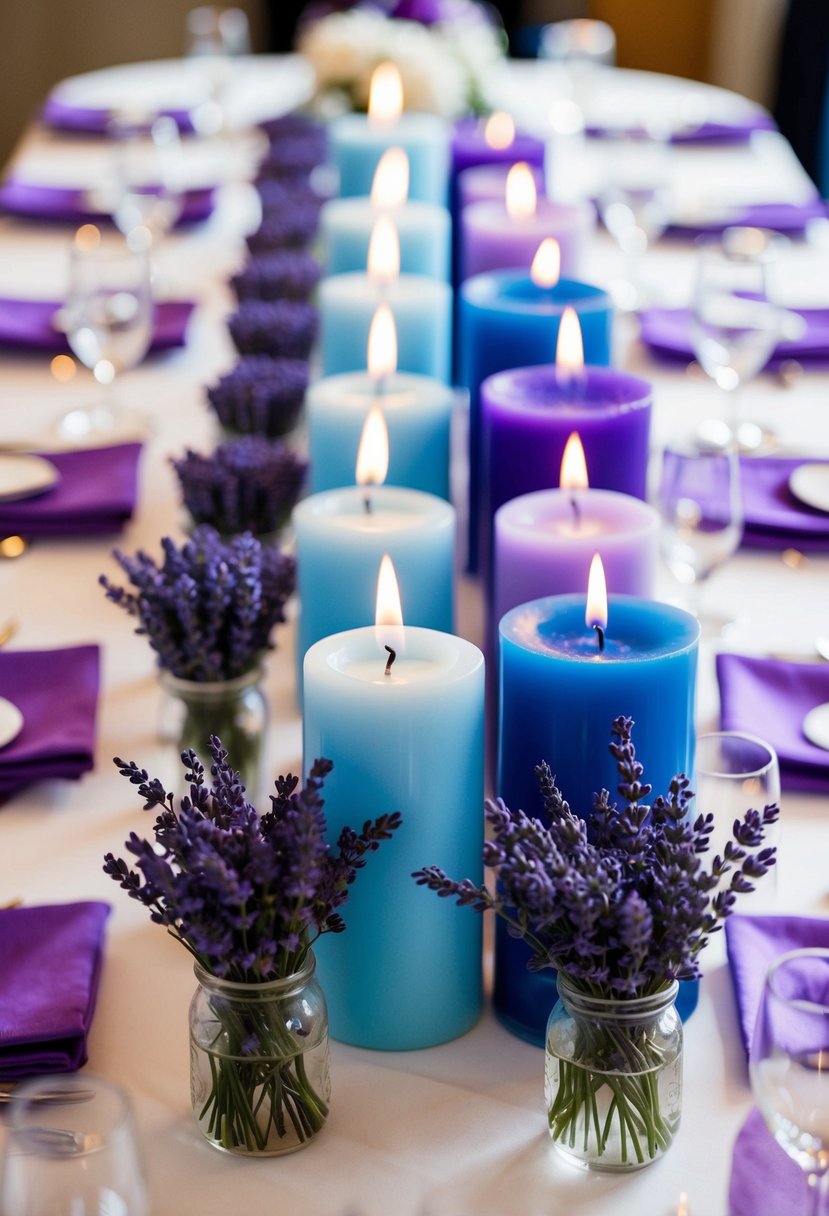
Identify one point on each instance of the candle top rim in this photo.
(454, 658)
(407, 121)
(362, 206)
(630, 619)
(348, 502)
(508, 390)
(404, 284)
(547, 209)
(642, 517)
(362, 381)
(492, 290)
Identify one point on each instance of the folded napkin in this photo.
(65, 116)
(30, 325)
(34, 200)
(667, 332)
(50, 965)
(57, 693)
(791, 218)
(765, 1181)
(95, 495)
(724, 130)
(770, 698)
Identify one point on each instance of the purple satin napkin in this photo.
(29, 325)
(714, 131)
(65, 205)
(765, 1181)
(95, 495)
(56, 691)
(95, 121)
(791, 218)
(770, 698)
(50, 966)
(667, 333)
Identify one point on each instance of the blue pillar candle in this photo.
(418, 414)
(508, 320)
(339, 545)
(406, 973)
(356, 145)
(559, 694)
(424, 230)
(422, 310)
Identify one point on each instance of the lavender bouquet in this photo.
(246, 485)
(280, 328)
(260, 396)
(247, 895)
(621, 905)
(208, 611)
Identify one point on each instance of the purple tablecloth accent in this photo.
(791, 218)
(726, 131)
(57, 693)
(29, 325)
(667, 333)
(770, 698)
(764, 1179)
(67, 117)
(62, 204)
(50, 965)
(95, 495)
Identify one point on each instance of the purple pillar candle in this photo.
(527, 416)
(488, 183)
(492, 141)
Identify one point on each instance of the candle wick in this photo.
(600, 636)
(389, 660)
(574, 504)
(367, 502)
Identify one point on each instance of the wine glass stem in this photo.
(818, 1190)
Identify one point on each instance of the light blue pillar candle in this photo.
(506, 321)
(406, 973)
(424, 230)
(339, 545)
(356, 144)
(422, 310)
(418, 414)
(559, 694)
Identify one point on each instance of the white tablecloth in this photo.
(460, 1128)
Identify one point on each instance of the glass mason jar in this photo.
(259, 1062)
(613, 1077)
(234, 710)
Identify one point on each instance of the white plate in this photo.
(816, 726)
(11, 721)
(810, 483)
(24, 476)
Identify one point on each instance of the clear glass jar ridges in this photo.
(613, 1077)
(259, 1062)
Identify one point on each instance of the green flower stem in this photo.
(203, 719)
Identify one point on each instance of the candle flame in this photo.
(546, 268)
(385, 97)
(573, 465)
(381, 353)
(384, 251)
(390, 186)
(499, 130)
(521, 194)
(569, 348)
(373, 452)
(596, 613)
(388, 616)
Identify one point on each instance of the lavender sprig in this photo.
(261, 395)
(209, 609)
(246, 485)
(292, 226)
(280, 328)
(285, 274)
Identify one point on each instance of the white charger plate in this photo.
(11, 721)
(816, 726)
(24, 476)
(810, 484)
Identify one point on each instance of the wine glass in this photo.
(108, 321)
(700, 504)
(790, 1065)
(214, 35)
(733, 773)
(71, 1151)
(633, 197)
(148, 177)
(735, 326)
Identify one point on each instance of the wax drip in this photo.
(600, 636)
(389, 660)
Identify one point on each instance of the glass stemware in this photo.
(71, 1151)
(148, 178)
(108, 321)
(700, 504)
(790, 1066)
(735, 326)
(215, 35)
